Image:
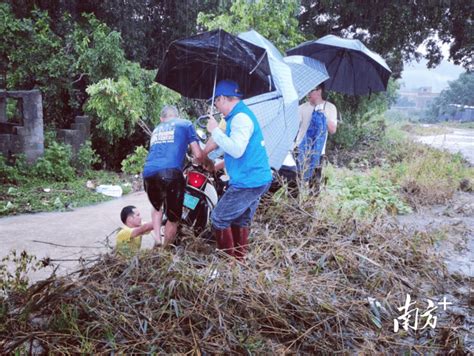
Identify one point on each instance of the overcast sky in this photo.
(417, 75)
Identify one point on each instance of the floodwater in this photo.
(459, 258)
(456, 219)
(456, 140)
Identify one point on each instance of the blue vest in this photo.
(252, 169)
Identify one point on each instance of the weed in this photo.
(429, 176)
(86, 158)
(55, 164)
(23, 264)
(359, 194)
(66, 319)
(134, 162)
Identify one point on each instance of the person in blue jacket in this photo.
(163, 171)
(246, 162)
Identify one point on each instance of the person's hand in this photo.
(211, 124)
(208, 165)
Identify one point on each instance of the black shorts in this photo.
(167, 187)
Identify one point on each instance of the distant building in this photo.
(415, 100)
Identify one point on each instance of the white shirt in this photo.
(241, 131)
(305, 112)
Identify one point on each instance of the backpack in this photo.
(317, 127)
(311, 147)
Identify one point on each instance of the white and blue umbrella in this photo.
(307, 73)
(277, 111)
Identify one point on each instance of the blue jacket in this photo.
(252, 169)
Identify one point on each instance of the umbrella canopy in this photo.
(277, 111)
(193, 65)
(307, 73)
(353, 68)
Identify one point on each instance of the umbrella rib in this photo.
(215, 74)
(258, 62)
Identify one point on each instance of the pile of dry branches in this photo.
(307, 286)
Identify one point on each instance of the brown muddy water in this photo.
(453, 224)
(452, 229)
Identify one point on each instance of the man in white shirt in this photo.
(316, 102)
(312, 134)
(247, 165)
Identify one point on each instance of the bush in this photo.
(429, 176)
(55, 164)
(86, 158)
(15, 172)
(134, 162)
(362, 195)
(8, 174)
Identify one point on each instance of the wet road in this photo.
(67, 236)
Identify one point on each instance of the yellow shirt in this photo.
(126, 245)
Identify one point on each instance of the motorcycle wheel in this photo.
(200, 225)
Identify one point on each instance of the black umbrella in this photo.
(353, 68)
(193, 65)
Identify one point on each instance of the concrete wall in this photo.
(29, 137)
(77, 135)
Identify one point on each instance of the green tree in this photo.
(362, 116)
(35, 58)
(395, 29)
(123, 103)
(459, 93)
(86, 54)
(146, 26)
(274, 19)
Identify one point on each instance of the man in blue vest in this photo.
(246, 161)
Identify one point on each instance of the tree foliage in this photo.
(122, 104)
(361, 117)
(459, 93)
(147, 26)
(34, 57)
(275, 20)
(82, 54)
(395, 29)
(61, 67)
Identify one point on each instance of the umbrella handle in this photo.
(200, 119)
